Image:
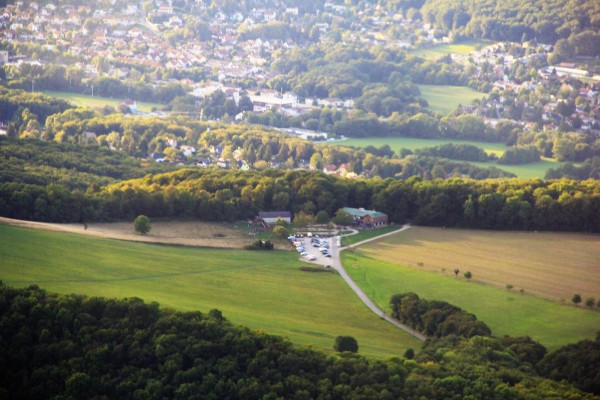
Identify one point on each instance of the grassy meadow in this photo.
(445, 98)
(397, 142)
(525, 171)
(549, 267)
(261, 290)
(463, 48)
(97, 101)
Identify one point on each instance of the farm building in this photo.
(367, 217)
(271, 217)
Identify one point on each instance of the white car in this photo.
(311, 257)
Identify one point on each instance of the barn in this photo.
(271, 217)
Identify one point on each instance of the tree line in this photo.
(74, 346)
(436, 318)
(219, 195)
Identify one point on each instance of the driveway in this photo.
(335, 262)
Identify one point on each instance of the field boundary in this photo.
(337, 262)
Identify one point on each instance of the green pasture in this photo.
(525, 171)
(97, 101)
(445, 98)
(462, 48)
(505, 312)
(261, 290)
(397, 142)
(368, 234)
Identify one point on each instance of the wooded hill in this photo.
(73, 347)
(219, 195)
(514, 20)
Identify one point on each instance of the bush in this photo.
(260, 245)
(142, 224)
(345, 343)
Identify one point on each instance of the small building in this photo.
(271, 217)
(367, 217)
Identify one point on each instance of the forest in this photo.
(73, 346)
(576, 23)
(222, 195)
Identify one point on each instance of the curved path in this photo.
(337, 264)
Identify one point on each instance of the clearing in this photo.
(261, 290)
(445, 98)
(525, 171)
(463, 48)
(78, 99)
(545, 265)
(399, 142)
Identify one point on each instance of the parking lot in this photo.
(316, 250)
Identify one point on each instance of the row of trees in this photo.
(72, 346)
(467, 152)
(231, 195)
(520, 155)
(436, 318)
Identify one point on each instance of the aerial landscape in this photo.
(300, 199)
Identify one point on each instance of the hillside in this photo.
(88, 347)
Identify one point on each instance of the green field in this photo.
(445, 99)
(396, 143)
(462, 48)
(261, 290)
(97, 101)
(421, 260)
(525, 171)
(368, 234)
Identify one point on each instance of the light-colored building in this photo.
(271, 217)
(3, 57)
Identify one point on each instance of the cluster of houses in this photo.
(578, 82)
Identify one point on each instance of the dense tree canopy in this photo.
(72, 346)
